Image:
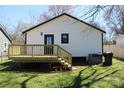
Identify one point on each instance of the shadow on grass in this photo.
(78, 80)
(29, 67)
(120, 59)
(77, 83)
(23, 84)
(8, 83)
(120, 86)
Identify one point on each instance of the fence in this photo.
(118, 51)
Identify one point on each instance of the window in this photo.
(5, 46)
(64, 38)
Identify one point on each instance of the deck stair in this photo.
(64, 63)
(40, 53)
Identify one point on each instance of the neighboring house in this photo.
(5, 40)
(71, 34)
(119, 40)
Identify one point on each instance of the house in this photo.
(65, 36)
(119, 40)
(5, 40)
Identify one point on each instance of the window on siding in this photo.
(64, 38)
(5, 46)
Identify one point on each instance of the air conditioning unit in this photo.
(94, 59)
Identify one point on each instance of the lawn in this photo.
(81, 76)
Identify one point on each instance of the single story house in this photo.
(65, 36)
(5, 40)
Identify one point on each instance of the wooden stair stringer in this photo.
(64, 63)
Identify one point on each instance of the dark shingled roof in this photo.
(62, 15)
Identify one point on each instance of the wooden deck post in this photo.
(1, 57)
(57, 51)
(20, 66)
(32, 51)
(60, 68)
(65, 68)
(50, 66)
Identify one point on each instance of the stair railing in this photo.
(65, 55)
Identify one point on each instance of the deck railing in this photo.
(64, 55)
(39, 50)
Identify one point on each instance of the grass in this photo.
(81, 76)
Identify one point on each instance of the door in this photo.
(48, 40)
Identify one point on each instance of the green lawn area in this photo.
(81, 76)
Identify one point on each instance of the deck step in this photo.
(62, 61)
(66, 63)
(59, 58)
(69, 65)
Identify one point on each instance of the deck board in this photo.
(26, 58)
(29, 56)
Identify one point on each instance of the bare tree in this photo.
(115, 19)
(113, 16)
(55, 10)
(32, 18)
(18, 29)
(4, 21)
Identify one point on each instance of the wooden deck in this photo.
(40, 53)
(28, 56)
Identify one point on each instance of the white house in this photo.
(74, 35)
(5, 40)
(62, 39)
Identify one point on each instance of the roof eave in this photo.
(61, 15)
(7, 36)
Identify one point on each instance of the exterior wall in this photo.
(83, 39)
(3, 39)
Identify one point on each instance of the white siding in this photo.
(83, 39)
(3, 39)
